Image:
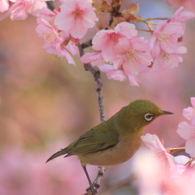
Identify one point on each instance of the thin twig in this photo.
(175, 149)
(156, 19)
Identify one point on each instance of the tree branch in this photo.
(50, 5)
(98, 81)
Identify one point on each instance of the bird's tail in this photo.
(59, 153)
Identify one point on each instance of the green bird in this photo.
(115, 140)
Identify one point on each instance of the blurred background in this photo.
(46, 103)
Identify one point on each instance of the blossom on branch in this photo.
(76, 17)
(160, 173)
(164, 42)
(55, 42)
(107, 40)
(123, 54)
(20, 8)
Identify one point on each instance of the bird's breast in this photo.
(118, 154)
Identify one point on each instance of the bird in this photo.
(115, 140)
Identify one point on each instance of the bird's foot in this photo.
(92, 190)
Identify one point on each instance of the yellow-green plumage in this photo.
(115, 140)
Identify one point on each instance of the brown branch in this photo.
(156, 19)
(50, 5)
(175, 149)
(99, 84)
(86, 44)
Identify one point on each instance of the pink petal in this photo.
(78, 30)
(133, 80)
(152, 141)
(139, 43)
(188, 112)
(186, 131)
(126, 29)
(62, 24)
(4, 5)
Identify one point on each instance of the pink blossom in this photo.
(153, 142)
(107, 40)
(189, 113)
(4, 5)
(113, 73)
(75, 17)
(166, 60)
(181, 16)
(187, 132)
(164, 42)
(95, 58)
(123, 55)
(54, 39)
(132, 55)
(20, 9)
(165, 37)
(155, 179)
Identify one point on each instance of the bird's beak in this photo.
(165, 112)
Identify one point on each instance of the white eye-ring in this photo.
(148, 116)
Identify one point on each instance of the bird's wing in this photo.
(99, 138)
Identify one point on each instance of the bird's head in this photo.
(143, 112)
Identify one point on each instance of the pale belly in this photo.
(120, 153)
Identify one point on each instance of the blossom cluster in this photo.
(161, 173)
(118, 50)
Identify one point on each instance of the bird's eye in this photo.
(148, 116)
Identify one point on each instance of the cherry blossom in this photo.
(187, 132)
(181, 16)
(107, 40)
(76, 17)
(164, 42)
(189, 112)
(4, 5)
(165, 37)
(20, 9)
(164, 158)
(55, 42)
(159, 173)
(132, 55)
(95, 58)
(123, 54)
(167, 60)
